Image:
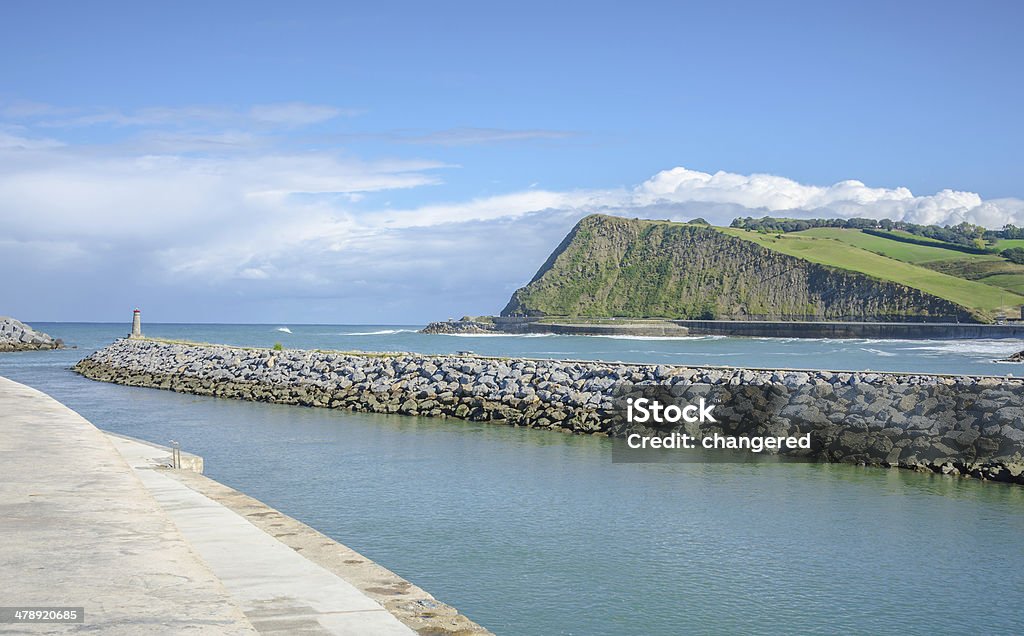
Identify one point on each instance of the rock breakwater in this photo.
(459, 327)
(653, 328)
(955, 425)
(17, 336)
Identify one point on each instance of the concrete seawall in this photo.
(265, 544)
(645, 328)
(159, 456)
(740, 328)
(887, 330)
(963, 425)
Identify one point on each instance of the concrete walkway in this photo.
(140, 550)
(78, 529)
(279, 590)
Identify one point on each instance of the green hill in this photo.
(943, 273)
(990, 269)
(610, 266)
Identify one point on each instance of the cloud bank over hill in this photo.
(851, 198)
(214, 214)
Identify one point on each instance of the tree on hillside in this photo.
(1014, 254)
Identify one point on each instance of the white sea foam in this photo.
(284, 330)
(382, 332)
(498, 335)
(867, 341)
(973, 347)
(680, 338)
(878, 352)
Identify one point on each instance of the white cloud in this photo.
(64, 192)
(253, 273)
(287, 114)
(28, 109)
(511, 205)
(9, 141)
(471, 136)
(773, 195)
(296, 113)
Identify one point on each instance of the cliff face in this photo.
(610, 266)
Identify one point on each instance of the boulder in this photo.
(17, 336)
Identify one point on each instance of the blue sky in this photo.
(327, 162)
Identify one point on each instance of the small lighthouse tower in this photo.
(136, 324)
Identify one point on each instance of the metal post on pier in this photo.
(175, 454)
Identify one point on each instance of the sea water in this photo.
(534, 532)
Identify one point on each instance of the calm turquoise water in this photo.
(532, 532)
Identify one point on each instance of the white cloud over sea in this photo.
(212, 214)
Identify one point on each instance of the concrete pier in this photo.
(98, 521)
(80, 530)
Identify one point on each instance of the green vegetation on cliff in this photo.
(609, 266)
(858, 252)
(994, 270)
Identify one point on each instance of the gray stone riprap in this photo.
(963, 425)
(459, 326)
(17, 336)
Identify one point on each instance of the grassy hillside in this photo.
(1013, 282)
(1005, 244)
(609, 266)
(906, 252)
(917, 237)
(903, 263)
(990, 269)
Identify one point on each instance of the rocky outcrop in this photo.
(956, 425)
(646, 328)
(459, 326)
(611, 266)
(1016, 357)
(17, 336)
